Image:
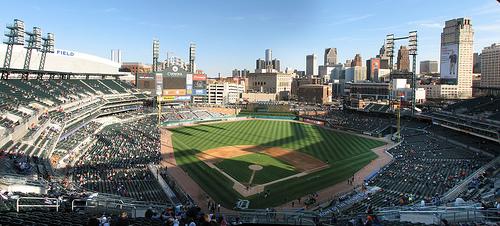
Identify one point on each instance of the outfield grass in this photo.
(273, 169)
(345, 153)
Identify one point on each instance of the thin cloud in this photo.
(358, 18)
(487, 8)
(437, 22)
(352, 19)
(488, 27)
(431, 25)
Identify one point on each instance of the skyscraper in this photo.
(476, 62)
(268, 64)
(403, 60)
(269, 55)
(276, 64)
(457, 56)
(455, 62)
(490, 69)
(357, 61)
(428, 67)
(311, 65)
(269, 58)
(330, 57)
(116, 56)
(372, 68)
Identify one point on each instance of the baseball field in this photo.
(284, 158)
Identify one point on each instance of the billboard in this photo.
(189, 84)
(199, 77)
(449, 62)
(159, 83)
(174, 92)
(199, 92)
(146, 81)
(199, 84)
(174, 77)
(175, 98)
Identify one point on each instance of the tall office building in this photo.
(457, 55)
(357, 62)
(330, 57)
(403, 60)
(116, 56)
(244, 73)
(236, 73)
(428, 67)
(476, 63)
(455, 61)
(269, 55)
(372, 68)
(276, 64)
(268, 64)
(260, 64)
(490, 69)
(311, 65)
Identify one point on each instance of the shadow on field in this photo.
(197, 129)
(181, 132)
(212, 126)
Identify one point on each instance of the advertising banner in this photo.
(199, 85)
(189, 79)
(159, 83)
(174, 92)
(449, 62)
(199, 77)
(182, 98)
(200, 92)
(175, 98)
(167, 98)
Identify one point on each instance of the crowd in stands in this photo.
(360, 122)
(176, 114)
(483, 107)
(423, 169)
(116, 163)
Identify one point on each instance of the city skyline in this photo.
(233, 34)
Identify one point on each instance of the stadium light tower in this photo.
(156, 54)
(33, 41)
(389, 45)
(413, 52)
(15, 36)
(389, 51)
(192, 56)
(47, 47)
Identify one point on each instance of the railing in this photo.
(459, 188)
(106, 204)
(51, 205)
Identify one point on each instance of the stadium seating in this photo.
(424, 168)
(116, 162)
(358, 121)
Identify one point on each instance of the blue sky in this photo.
(233, 33)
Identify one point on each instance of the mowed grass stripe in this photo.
(344, 152)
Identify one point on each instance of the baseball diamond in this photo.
(297, 158)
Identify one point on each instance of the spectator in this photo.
(123, 220)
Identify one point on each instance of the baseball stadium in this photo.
(88, 141)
